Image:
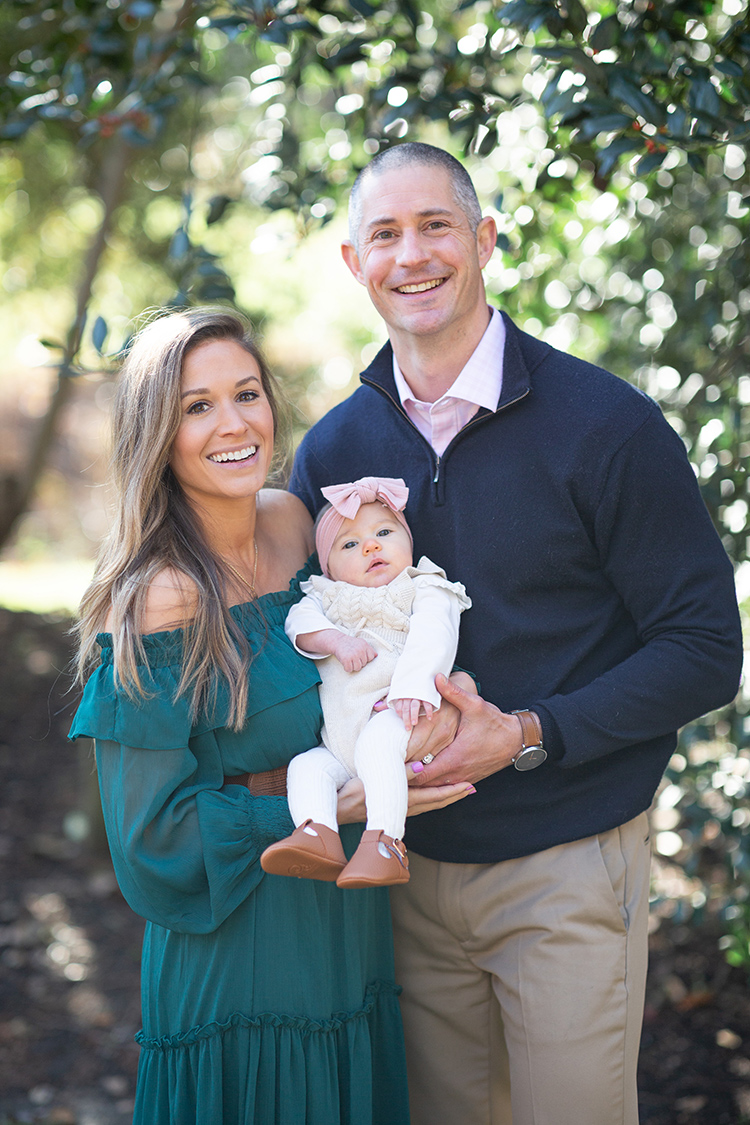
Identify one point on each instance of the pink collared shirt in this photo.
(478, 384)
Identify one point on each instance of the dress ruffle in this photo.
(161, 720)
(269, 1021)
(279, 1070)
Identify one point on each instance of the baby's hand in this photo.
(408, 711)
(353, 653)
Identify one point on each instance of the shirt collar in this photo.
(481, 379)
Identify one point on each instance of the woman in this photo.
(265, 1000)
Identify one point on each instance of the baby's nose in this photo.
(371, 544)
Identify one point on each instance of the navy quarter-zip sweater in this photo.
(602, 596)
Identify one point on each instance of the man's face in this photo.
(417, 255)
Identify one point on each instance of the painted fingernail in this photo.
(470, 789)
(416, 767)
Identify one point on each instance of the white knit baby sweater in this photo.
(412, 623)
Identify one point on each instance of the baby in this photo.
(382, 630)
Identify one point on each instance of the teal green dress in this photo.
(266, 1000)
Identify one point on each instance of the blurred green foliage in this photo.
(610, 139)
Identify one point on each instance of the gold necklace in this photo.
(243, 580)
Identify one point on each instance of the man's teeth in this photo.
(237, 455)
(422, 287)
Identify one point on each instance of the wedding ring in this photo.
(428, 758)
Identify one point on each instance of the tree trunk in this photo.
(17, 490)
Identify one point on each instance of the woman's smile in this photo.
(233, 455)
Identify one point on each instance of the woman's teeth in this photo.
(237, 455)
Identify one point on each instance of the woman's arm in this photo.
(185, 848)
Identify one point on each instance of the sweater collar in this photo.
(517, 367)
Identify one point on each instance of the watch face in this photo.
(530, 758)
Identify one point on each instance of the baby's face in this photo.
(370, 550)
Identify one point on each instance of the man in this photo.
(603, 611)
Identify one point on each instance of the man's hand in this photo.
(487, 740)
(432, 735)
(353, 653)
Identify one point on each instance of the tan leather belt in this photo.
(268, 783)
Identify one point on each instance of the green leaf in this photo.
(730, 67)
(488, 143)
(216, 292)
(217, 205)
(678, 123)
(362, 8)
(99, 333)
(703, 99)
(605, 34)
(574, 16)
(523, 14)
(650, 163)
(610, 156)
(624, 88)
(575, 59)
(180, 244)
(11, 130)
(591, 126)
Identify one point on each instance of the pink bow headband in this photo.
(345, 501)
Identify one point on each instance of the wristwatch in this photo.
(532, 752)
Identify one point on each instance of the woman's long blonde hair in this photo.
(154, 527)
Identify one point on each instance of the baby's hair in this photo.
(326, 508)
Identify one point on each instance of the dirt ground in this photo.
(69, 945)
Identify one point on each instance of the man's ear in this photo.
(351, 257)
(486, 240)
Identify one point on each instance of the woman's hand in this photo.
(437, 796)
(433, 734)
(351, 801)
(351, 808)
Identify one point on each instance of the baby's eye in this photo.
(384, 531)
(349, 544)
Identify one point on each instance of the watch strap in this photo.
(531, 728)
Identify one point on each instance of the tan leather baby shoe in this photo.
(379, 861)
(313, 851)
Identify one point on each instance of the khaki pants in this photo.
(524, 983)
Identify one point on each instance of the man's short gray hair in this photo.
(414, 152)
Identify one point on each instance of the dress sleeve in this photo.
(185, 847)
(432, 640)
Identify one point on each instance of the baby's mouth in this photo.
(234, 455)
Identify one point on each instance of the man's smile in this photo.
(420, 287)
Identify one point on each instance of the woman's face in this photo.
(224, 446)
